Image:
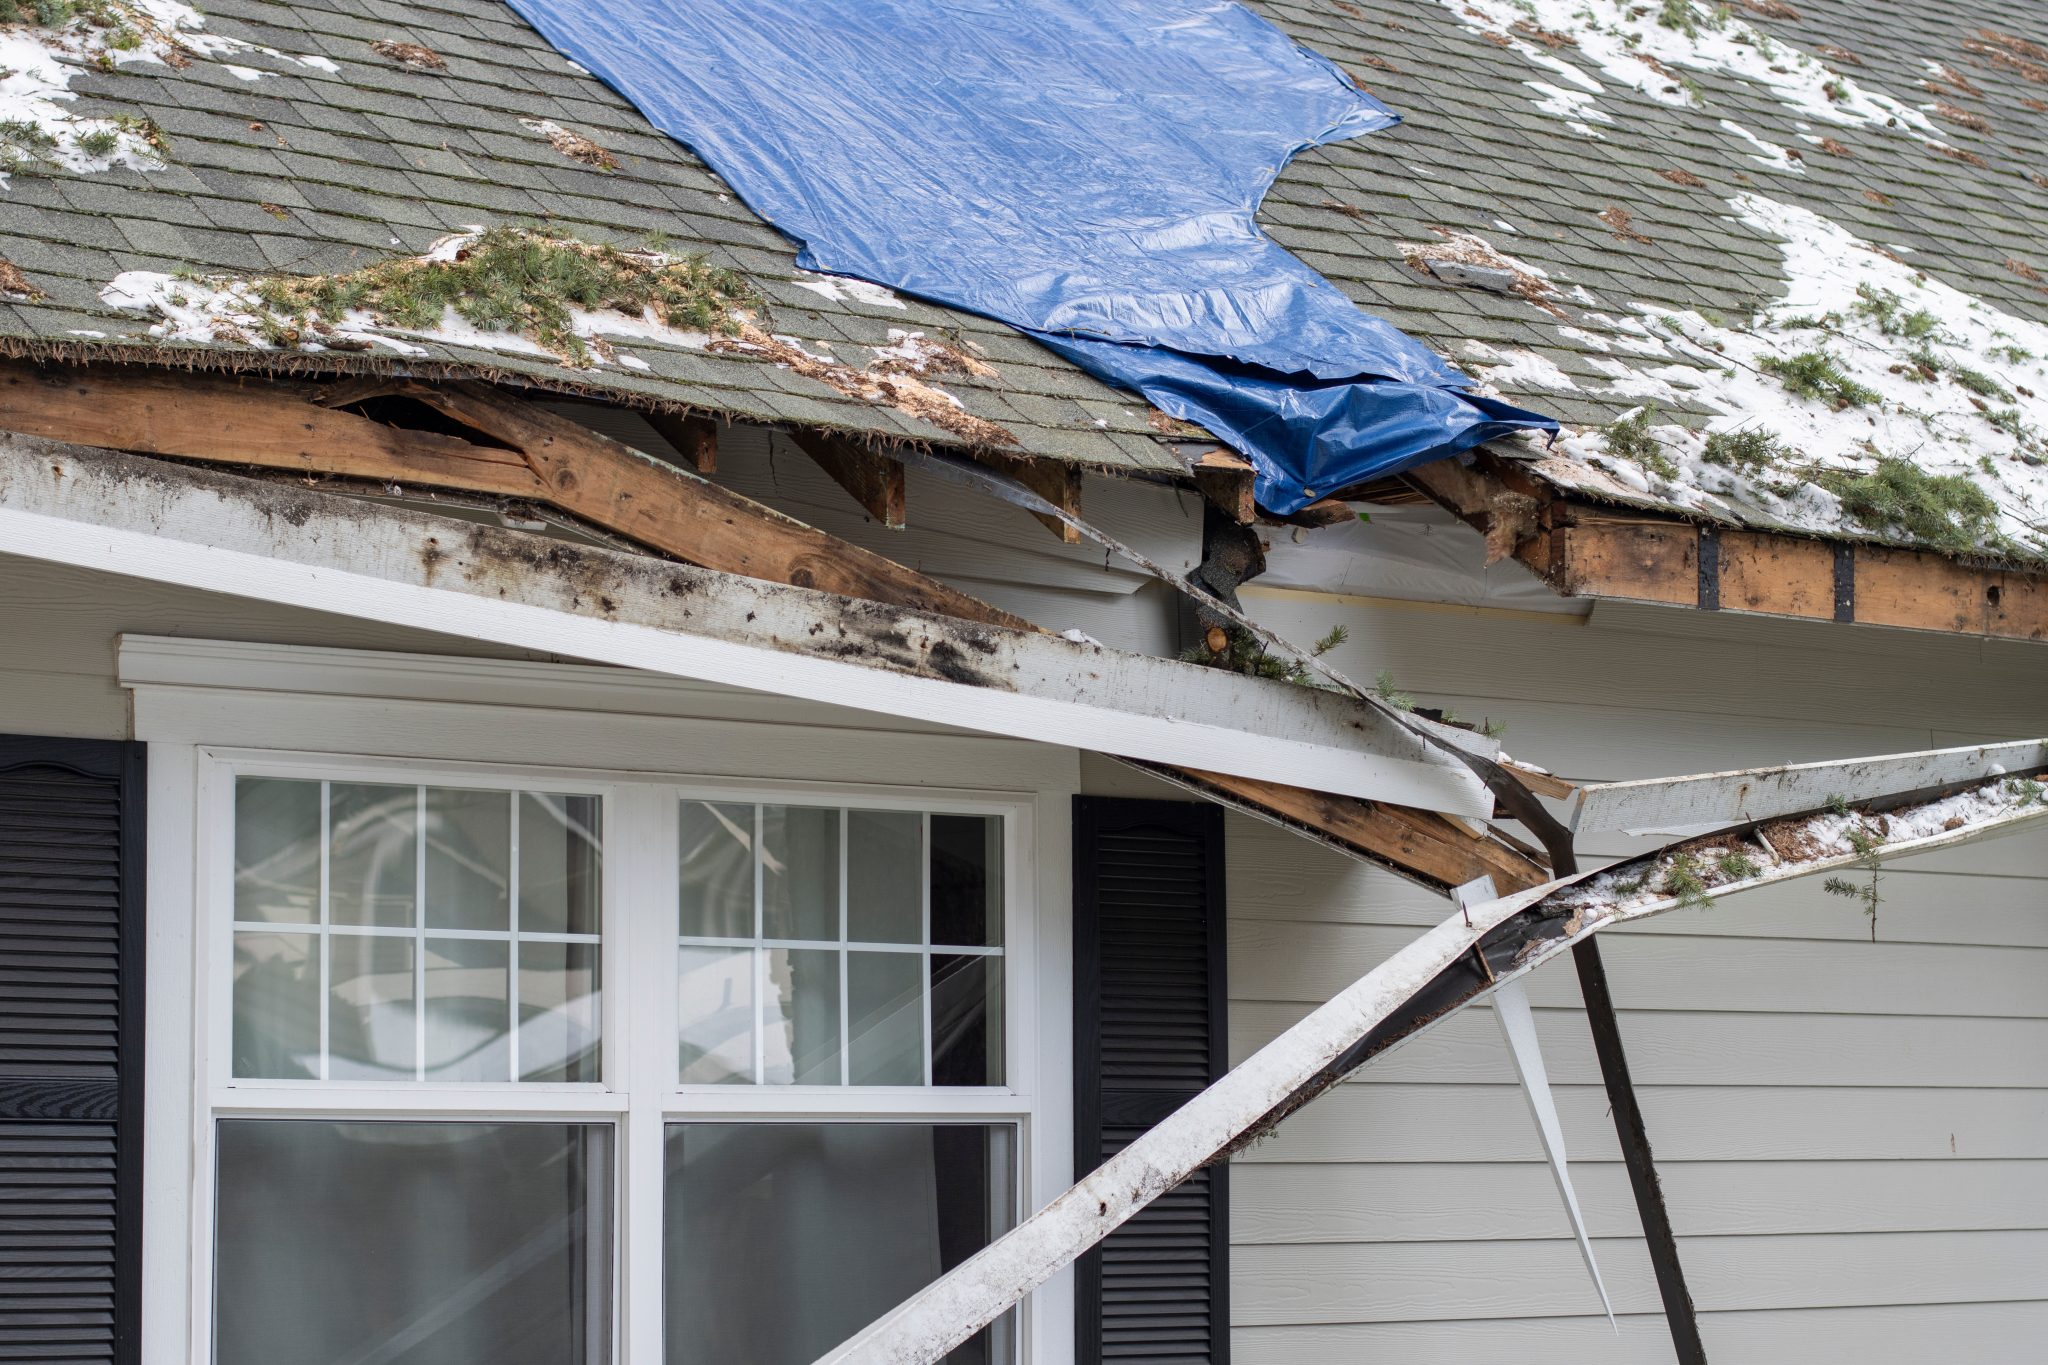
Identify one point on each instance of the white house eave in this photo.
(222, 533)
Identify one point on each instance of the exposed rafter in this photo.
(1586, 550)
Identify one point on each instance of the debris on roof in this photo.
(890, 380)
(503, 288)
(575, 146)
(413, 55)
(1872, 401)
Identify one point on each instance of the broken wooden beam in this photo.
(694, 437)
(1761, 793)
(547, 458)
(1421, 984)
(875, 481)
(1421, 845)
(1226, 479)
(281, 541)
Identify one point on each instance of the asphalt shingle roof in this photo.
(307, 171)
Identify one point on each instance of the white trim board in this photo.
(220, 533)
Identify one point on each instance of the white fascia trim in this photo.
(219, 533)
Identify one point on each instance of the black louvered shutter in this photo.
(70, 1050)
(1149, 958)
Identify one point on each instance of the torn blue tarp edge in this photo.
(1349, 431)
(1259, 347)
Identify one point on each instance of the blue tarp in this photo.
(1085, 171)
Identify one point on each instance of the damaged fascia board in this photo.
(282, 543)
(1530, 927)
(1714, 799)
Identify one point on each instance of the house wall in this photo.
(1853, 1135)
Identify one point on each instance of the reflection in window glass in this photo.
(413, 1243)
(369, 1008)
(372, 861)
(715, 993)
(967, 1019)
(877, 949)
(469, 1003)
(469, 859)
(785, 1239)
(718, 870)
(799, 872)
(277, 851)
(415, 987)
(277, 1006)
(801, 1034)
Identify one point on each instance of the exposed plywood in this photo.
(1642, 560)
(1777, 575)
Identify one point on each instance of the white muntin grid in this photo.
(324, 929)
(759, 945)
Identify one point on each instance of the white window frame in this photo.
(191, 869)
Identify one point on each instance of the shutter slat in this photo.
(1149, 1034)
(67, 1152)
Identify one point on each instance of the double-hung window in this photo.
(543, 1068)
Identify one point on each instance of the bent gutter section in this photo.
(1447, 968)
(279, 542)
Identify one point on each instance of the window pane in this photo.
(884, 888)
(277, 1006)
(715, 994)
(277, 850)
(413, 1243)
(967, 880)
(372, 864)
(967, 1020)
(718, 870)
(560, 1000)
(469, 859)
(885, 1012)
(560, 863)
(369, 1008)
(785, 1239)
(801, 1041)
(800, 872)
(469, 1009)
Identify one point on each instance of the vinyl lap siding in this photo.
(1853, 1136)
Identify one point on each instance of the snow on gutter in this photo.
(1513, 935)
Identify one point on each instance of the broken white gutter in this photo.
(1530, 927)
(1766, 793)
(279, 542)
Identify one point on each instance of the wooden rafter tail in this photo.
(1057, 481)
(1226, 480)
(873, 480)
(1422, 845)
(694, 437)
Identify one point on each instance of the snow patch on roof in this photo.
(843, 289)
(1866, 364)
